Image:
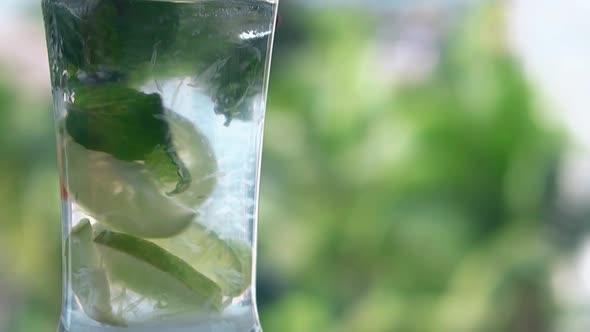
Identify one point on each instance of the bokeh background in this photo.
(426, 169)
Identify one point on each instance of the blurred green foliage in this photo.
(30, 229)
(416, 208)
(385, 207)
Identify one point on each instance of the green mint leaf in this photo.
(233, 80)
(222, 47)
(117, 120)
(116, 34)
(146, 30)
(168, 167)
(127, 124)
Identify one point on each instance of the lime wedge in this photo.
(89, 281)
(153, 272)
(243, 251)
(130, 197)
(227, 263)
(196, 153)
(122, 194)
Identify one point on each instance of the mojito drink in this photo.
(159, 109)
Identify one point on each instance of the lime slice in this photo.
(153, 272)
(196, 153)
(243, 251)
(129, 197)
(89, 281)
(122, 195)
(227, 263)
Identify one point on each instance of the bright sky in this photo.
(552, 39)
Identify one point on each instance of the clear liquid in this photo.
(207, 61)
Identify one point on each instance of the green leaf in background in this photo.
(127, 124)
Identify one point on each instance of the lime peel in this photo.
(164, 261)
(226, 262)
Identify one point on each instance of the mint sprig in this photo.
(138, 40)
(129, 125)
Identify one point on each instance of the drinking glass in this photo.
(159, 113)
